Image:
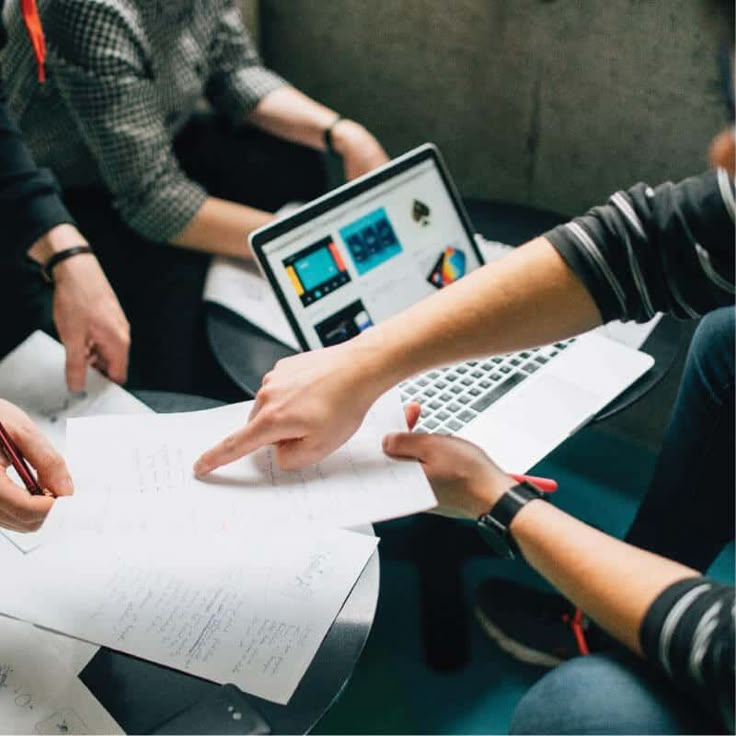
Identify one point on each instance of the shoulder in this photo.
(90, 32)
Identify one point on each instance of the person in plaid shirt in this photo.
(157, 185)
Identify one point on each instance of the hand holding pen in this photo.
(24, 448)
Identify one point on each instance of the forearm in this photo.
(221, 227)
(288, 113)
(55, 240)
(530, 297)
(613, 582)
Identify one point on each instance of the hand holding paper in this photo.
(132, 471)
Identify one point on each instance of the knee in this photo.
(712, 349)
(596, 694)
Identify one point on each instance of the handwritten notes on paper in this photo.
(130, 472)
(33, 378)
(251, 610)
(37, 693)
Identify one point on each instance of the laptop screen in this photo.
(371, 255)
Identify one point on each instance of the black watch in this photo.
(494, 525)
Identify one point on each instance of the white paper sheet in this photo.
(251, 610)
(240, 287)
(73, 654)
(33, 378)
(38, 694)
(130, 472)
(632, 334)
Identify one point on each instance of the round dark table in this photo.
(141, 695)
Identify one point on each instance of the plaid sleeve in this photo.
(238, 80)
(98, 61)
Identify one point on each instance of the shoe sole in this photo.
(514, 648)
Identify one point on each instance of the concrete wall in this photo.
(552, 103)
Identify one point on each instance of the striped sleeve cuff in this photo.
(577, 247)
(689, 633)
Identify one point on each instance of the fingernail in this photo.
(67, 485)
(200, 468)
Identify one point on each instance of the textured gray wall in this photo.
(549, 103)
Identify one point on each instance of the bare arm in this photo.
(311, 403)
(88, 317)
(531, 297)
(221, 227)
(613, 582)
(592, 569)
(288, 113)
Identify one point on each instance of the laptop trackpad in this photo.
(526, 424)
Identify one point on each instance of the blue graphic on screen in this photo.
(317, 268)
(371, 241)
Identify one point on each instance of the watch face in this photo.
(495, 539)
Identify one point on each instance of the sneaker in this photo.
(538, 628)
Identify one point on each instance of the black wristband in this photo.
(48, 268)
(328, 136)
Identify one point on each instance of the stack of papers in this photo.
(250, 610)
(234, 578)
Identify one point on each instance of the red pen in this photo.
(544, 484)
(17, 460)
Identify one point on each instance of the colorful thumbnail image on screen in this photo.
(316, 271)
(450, 267)
(347, 323)
(371, 240)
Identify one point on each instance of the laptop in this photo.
(371, 248)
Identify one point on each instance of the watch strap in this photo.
(48, 268)
(499, 518)
(327, 136)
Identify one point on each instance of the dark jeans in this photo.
(688, 516)
(607, 694)
(688, 512)
(160, 286)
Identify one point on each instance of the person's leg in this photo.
(608, 694)
(687, 514)
(248, 166)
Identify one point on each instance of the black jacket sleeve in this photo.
(664, 249)
(30, 204)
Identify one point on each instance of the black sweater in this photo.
(30, 205)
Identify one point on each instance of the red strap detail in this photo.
(35, 33)
(577, 629)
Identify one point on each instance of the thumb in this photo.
(407, 445)
(412, 412)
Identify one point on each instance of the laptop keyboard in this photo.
(452, 397)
